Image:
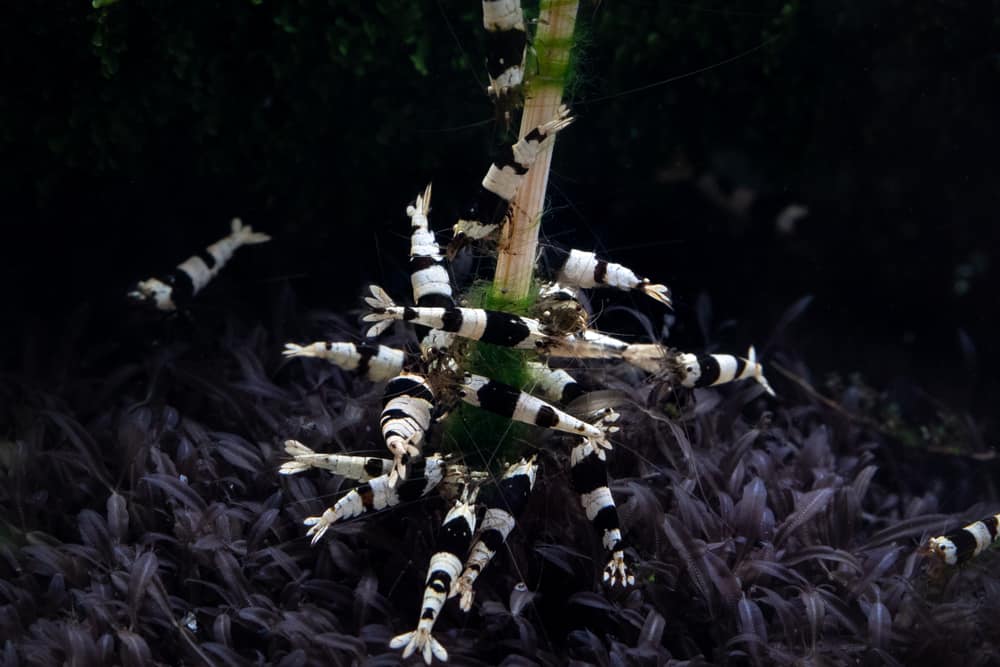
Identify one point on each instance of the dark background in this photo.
(132, 133)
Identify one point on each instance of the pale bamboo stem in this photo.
(519, 237)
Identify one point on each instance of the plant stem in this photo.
(519, 237)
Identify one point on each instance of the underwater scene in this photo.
(481, 333)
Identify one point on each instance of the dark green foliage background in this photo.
(130, 133)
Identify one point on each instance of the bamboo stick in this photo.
(519, 237)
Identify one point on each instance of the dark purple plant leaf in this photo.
(330, 593)
(707, 402)
(693, 513)
(255, 380)
(141, 576)
(750, 619)
(737, 451)
(517, 661)
(177, 490)
(105, 648)
(748, 514)
(807, 505)
(222, 630)
(592, 600)
(278, 557)
(815, 610)
(907, 529)
(341, 642)
(558, 555)
(879, 624)
(231, 573)
(682, 440)
(118, 518)
(79, 645)
(258, 618)
(652, 630)
(296, 658)
(826, 553)
(93, 531)
(46, 560)
(839, 610)
(876, 570)
(238, 452)
(788, 615)
(727, 585)
(862, 482)
(751, 570)
(589, 646)
(133, 650)
(366, 597)
(223, 655)
(82, 442)
(261, 526)
(690, 555)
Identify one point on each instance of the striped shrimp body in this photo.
(692, 370)
(502, 182)
(579, 268)
(965, 543)
(516, 405)
(709, 370)
(506, 41)
(379, 493)
(503, 506)
(360, 468)
(408, 406)
(372, 362)
(442, 576)
(191, 276)
(589, 474)
(428, 275)
(493, 327)
(489, 326)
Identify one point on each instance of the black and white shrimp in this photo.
(506, 41)
(964, 544)
(442, 574)
(692, 370)
(708, 370)
(492, 326)
(589, 473)
(503, 506)
(428, 275)
(502, 181)
(422, 386)
(410, 403)
(579, 268)
(377, 363)
(489, 326)
(178, 286)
